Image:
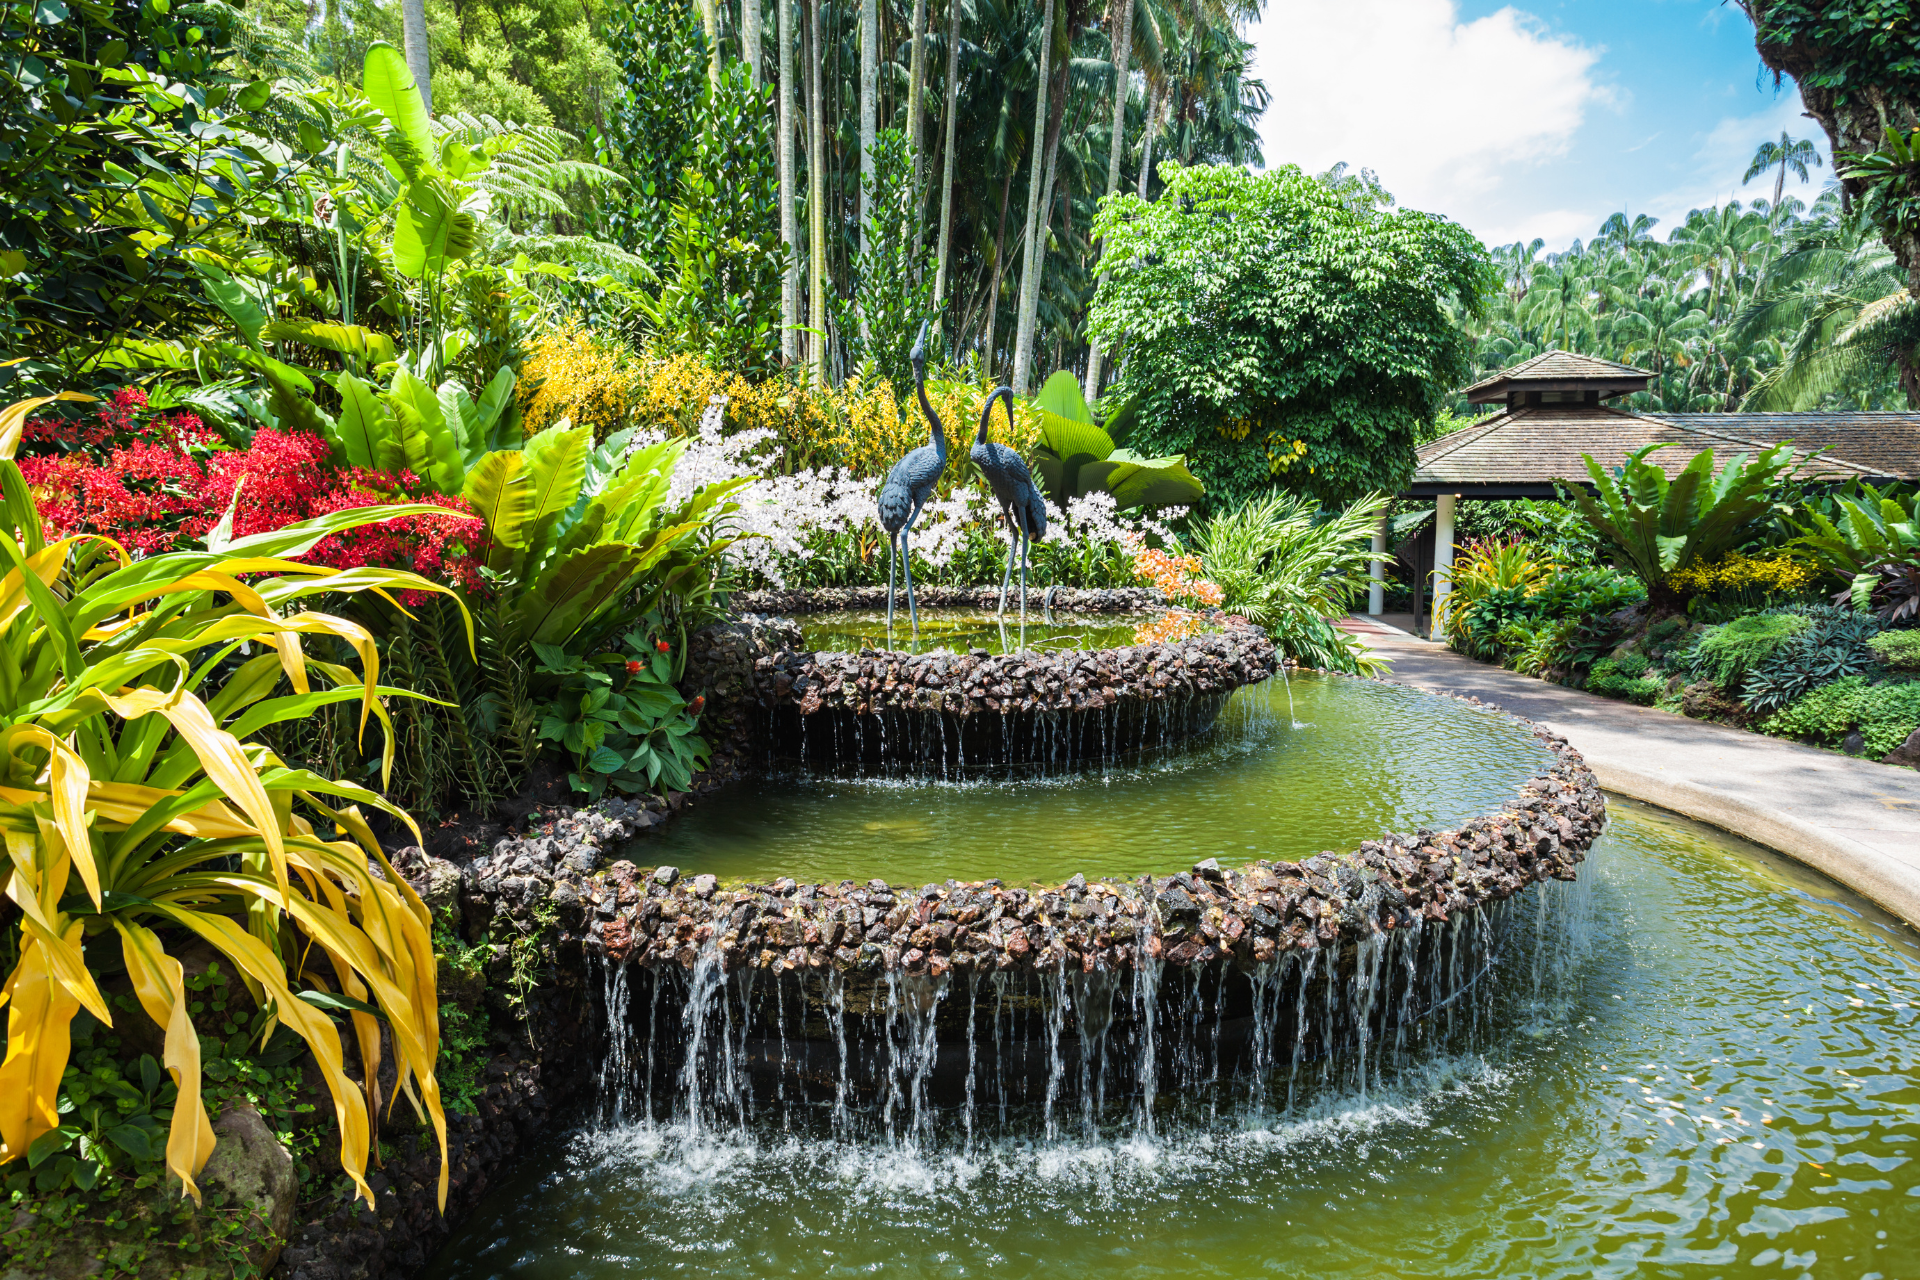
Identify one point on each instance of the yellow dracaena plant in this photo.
(137, 812)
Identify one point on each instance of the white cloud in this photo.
(1445, 111)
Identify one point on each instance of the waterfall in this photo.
(917, 1062)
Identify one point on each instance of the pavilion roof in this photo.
(1560, 371)
(1521, 452)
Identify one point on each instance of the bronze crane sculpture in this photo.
(909, 485)
(1021, 505)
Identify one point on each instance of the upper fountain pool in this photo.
(1338, 762)
(951, 630)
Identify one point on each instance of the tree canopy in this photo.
(1285, 329)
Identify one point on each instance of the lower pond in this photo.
(1703, 1065)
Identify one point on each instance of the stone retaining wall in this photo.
(1193, 918)
(979, 682)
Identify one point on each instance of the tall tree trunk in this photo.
(413, 37)
(999, 262)
(1036, 193)
(750, 39)
(869, 104)
(710, 23)
(916, 102)
(817, 206)
(1030, 282)
(946, 173)
(789, 234)
(1122, 28)
(1155, 96)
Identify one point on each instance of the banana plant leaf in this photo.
(389, 85)
(430, 229)
(366, 344)
(1076, 457)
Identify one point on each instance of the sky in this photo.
(1536, 119)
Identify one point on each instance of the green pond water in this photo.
(1720, 1082)
(959, 630)
(1348, 760)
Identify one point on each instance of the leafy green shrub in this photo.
(1625, 677)
(1658, 524)
(1898, 649)
(621, 719)
(1727, 652)
(1883, 713)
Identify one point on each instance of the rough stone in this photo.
(1907, 753)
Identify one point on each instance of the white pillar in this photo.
(1377, 593)
(1442, 548)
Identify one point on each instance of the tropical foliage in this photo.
(1658, 525)
(1767, 306)
(1077, 456)
(136, 798)
(1284, 330)
(1286, 565)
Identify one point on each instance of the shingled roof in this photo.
(1559, 371)
(1521, 452)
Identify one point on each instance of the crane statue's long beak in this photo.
(919, 353)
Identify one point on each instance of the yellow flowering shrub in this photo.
(569, 374)
(1775, 575)
(862, 427)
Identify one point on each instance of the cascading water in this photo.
(930, 1063)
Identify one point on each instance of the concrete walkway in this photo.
(1855, 820)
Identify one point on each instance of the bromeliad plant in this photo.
(136, 812)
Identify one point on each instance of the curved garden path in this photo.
(1855, 820)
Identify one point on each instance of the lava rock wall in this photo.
(1207, 915)
(978, 682)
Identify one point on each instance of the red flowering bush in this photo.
(122, 420)
(162, 485)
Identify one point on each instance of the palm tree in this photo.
(1120, 21)
(951, 118)
(869, 101)
(1839, 296)
(1792, 153)
(1035, 234)
(789, 232)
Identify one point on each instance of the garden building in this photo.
(1553, 410)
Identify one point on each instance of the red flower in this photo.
(161, 486)
(633, 668)
(662, 646)
(697, 703)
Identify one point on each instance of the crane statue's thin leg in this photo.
(1025, 542)
(906, 571)
(1012, 548)
(893, 541)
